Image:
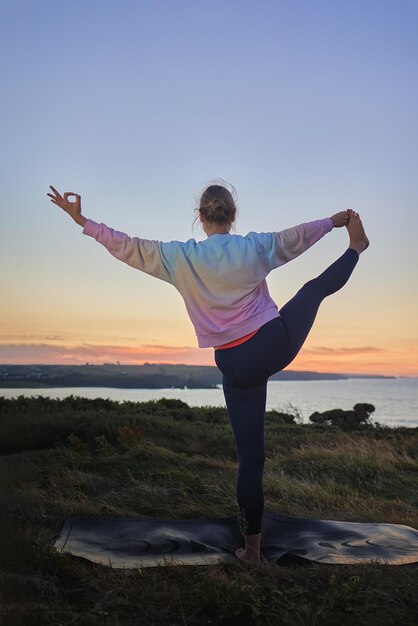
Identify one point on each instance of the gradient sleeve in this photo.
(281, 247)
(141, 254)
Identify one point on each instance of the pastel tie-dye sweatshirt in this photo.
(222, 279)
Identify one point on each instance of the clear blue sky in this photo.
(306, 107)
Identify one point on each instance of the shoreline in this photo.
(394, 400)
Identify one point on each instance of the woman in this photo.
(222, 282)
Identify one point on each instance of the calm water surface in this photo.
(396, 400)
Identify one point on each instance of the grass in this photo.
(165, 459)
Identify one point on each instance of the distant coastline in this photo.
(147, 376)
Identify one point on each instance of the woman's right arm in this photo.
(341, 218)
(285, 245)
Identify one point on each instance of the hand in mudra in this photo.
(341, 218)
(72, 208)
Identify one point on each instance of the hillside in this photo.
(165, 459)
(147, 376)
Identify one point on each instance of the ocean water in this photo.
(395, 400)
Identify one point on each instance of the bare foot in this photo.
(241, 554)
(358, 238)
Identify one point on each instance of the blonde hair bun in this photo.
(217, 205)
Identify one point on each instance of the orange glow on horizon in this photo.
(354, 360)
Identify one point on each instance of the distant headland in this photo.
(147, 376)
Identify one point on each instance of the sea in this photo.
(395, 399)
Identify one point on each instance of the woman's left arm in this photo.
(72, 208)
(141, 254)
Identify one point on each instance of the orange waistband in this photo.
(237, 342)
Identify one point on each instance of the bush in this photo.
(357, 418)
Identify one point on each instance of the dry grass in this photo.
(105, 466)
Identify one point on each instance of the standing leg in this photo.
(246, 410)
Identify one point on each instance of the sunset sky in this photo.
(307, 108)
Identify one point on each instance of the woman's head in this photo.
(217, 209)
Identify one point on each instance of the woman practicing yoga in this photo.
(222, 282)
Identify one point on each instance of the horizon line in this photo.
(118, 364)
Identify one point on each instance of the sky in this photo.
(306, 108)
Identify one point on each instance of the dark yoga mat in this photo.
(131, 542)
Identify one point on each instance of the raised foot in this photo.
(358, 237)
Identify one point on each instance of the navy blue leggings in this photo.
(246, 369)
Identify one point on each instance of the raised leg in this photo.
(298, 315)
(247, 367)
